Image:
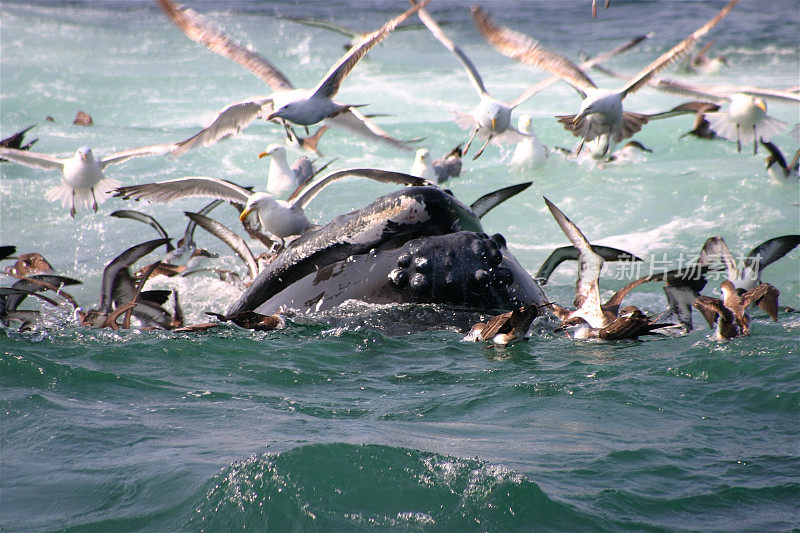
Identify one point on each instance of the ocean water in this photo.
(362, 419)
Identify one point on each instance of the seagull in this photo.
(777, 168)
(594, 7)
(115, 273)
(631, 323)
(601, 112)
(491, 118)
(730, 312)
(587, 288)
(763, 255)
(529, 152)
(279, 218)
(282, 178)
(29, 264)
(307, 144)
(303, 107)
(701, 64)
(744, 120)
(440, 170)
(84, 183)
(504, 328)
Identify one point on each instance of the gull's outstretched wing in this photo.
(122, 261)
(589, 63)
(587, 289)
(198, 29)
(570, 253)
(32, 159)
(332, 80)
(355, 121)
(674, 53)
(146, 219)
(229, 122)
(303, 195)
(436, 30)
(119, 157)
(716, 251)
(526, 50)
(489, 201)
(197, 186)
(770, 251)
(234, 242)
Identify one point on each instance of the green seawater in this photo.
(375, 418)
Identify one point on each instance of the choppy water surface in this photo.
(346, 423)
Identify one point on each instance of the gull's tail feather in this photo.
(769, 127)
(73, 198)
(631, 125)
(722, 125)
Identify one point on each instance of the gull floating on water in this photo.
(730, 313)
(601, 112)
(304, 107)
(438, 171)
(529, 152)
(281, 177)
(491, 118)
(277, 217)
(84, 183)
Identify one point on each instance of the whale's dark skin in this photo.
(416, 245)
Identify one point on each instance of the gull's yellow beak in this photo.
(244, 214)
(576, 120)
(759, 103)
(263, 154)
(494, 121)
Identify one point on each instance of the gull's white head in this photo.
(493, 115)
(260, 203)
(85, 153)
(525, 123)
(607, 104)
(273, 149)
(423, 155)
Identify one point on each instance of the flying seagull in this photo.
(84, 183)
(277, 217)
(601, 112)
(304, 107)
(491, 118)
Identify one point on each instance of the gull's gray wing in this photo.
(770, 251)
(587, 289)
(119, 157)
(146, 219)
(303, 195)
(355, 121)
(674, 53)
(234, 241)
(198, 186)
(198, 29)
(32, 159)
(716, 251)
(589, 63)
(436, 30)
(229, 122)
(188, 235)
(570, 253)
(122, 261)
(526, 50)
(332, 80)
(489, 201)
